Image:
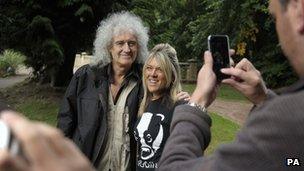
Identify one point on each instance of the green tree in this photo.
(186, 24)
(169, 20)
(50, 33)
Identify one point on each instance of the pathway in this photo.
(10, 81)
(22, 74)
(234, 110)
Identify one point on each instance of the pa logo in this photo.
(293, 162)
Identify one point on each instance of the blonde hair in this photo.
(166, 57)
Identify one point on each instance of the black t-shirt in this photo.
(151, 133)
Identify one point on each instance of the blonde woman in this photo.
(161, 82)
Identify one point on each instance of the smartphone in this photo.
(218, 45)
(8, 140)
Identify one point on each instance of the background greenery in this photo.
(50, 33)
(9, 62)
(186, 25)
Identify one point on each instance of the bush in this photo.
(9, 61)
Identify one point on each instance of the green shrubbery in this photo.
(9, 61)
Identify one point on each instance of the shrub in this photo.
(9, 61)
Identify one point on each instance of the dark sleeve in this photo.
(271, 134)
(67, 115)
(190, 134)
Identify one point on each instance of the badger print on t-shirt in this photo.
(150, 133)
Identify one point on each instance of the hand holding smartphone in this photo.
(218, 45)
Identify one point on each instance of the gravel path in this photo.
(22, 73)
(233, 110)
(10, 81)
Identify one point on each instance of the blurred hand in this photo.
(248, 80)
(183, 95)
(44, 148)
(206, 87)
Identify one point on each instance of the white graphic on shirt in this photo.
(150, 134)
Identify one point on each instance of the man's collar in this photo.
(299, 85)
(133, 73)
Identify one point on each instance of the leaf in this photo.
(84, 10)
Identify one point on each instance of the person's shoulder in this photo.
(180, 102)
(83, 70)
(93, 71)
(290, 101)
(283, 107)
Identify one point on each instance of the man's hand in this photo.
(183, 95)
(248, 80)
(206, 88)
(44, 148)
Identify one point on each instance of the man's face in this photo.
(285, 26)
(124, 50)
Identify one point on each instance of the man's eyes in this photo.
(121, 43)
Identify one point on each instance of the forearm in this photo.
(269, 95)
(190, 136)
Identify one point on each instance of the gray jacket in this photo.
(272, 138)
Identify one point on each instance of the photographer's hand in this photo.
(183, 95)
(248, 80)
(44, 147)
(206, 87)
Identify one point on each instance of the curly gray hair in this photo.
(114, 25)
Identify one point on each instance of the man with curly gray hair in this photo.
(115, 25)
(101, 103)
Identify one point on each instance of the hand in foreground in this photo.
(183, 95)
(248, 80)
(44, 148)
(206, 87)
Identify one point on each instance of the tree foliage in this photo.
(50, 33)
(186, 24)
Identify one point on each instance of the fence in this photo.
(82, 59)
(188, 69)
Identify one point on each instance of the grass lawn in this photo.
(222, 131)
(39, 110)
(41, 104)
(226, 92)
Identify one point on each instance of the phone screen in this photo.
(219, 47)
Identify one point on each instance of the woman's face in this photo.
(124, 50)
(155, 78)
